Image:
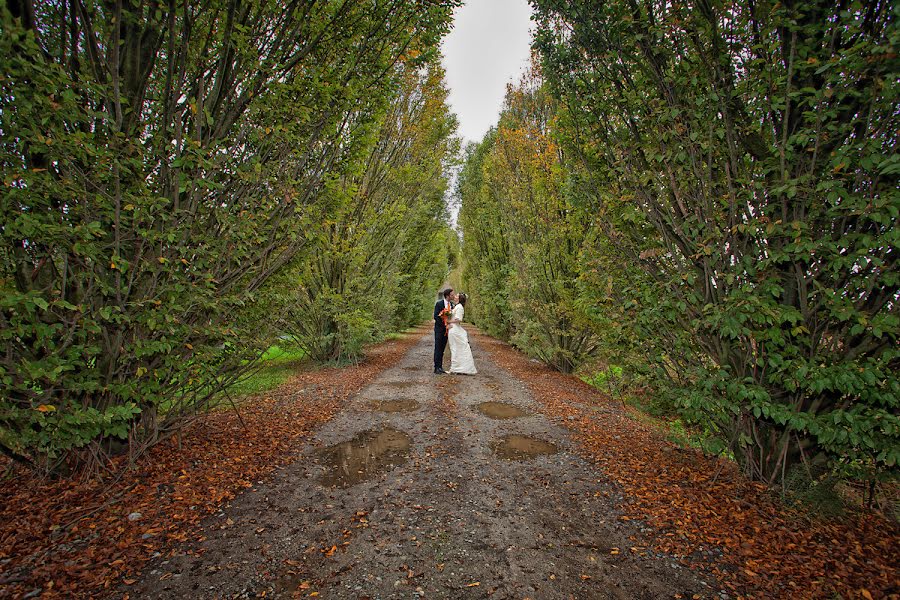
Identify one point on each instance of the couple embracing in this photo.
(448, 316)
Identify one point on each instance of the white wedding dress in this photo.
(461, 360)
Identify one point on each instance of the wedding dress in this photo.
(461, 360)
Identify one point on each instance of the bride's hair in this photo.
(462, 298)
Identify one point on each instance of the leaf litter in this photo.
(705, 512)
(72, 539)
(75, 539)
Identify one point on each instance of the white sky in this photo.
(488, 48)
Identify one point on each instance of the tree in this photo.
(742, 156)
(525, 265)
(379, 255)
(160, 163)
(485, 249)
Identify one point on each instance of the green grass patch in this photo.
(278, 364)
(617, 382)
(400, 335)
(276, 367)
(693, 436)
(277, 354)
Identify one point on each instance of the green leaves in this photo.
(523, 235)
(151, 191)
(380, 250)
(746, 145)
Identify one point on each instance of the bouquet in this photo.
(445, 316)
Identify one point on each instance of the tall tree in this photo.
(378, 257)
(485, 249)
(522, 236)
(742, 154)
(161, 162)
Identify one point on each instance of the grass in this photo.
(277, 365)
(402, 335)
(613, 380)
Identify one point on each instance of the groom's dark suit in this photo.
(440, 333)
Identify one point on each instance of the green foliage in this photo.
(522, 235)
(55, 428)
(738, 163)
(382, 250)
(485, 252)
(610, 380)
(159, 168)
(275, 366)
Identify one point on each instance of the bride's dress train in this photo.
(461, 360)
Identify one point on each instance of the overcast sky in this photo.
(488, 48)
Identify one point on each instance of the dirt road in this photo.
(420, 489)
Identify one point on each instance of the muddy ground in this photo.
(412, 491)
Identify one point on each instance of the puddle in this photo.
(290, 584)
(395, 406)
(521, 447)
(366, 455)
(500, 410)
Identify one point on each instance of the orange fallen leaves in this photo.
(78, 535)
(765, 550)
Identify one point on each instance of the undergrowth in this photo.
(829, 490)
(276, 366)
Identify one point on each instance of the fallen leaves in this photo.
(74, 539)
(705, 512)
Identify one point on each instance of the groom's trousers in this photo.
(440, 343)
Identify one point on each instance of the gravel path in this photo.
(411, 491)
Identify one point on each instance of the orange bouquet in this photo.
(445, 316)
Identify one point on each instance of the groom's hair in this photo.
(446, 293)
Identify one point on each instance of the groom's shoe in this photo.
(440, 371)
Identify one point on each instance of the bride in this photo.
(461, 360)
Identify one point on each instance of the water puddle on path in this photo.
(366, 455)
(395, 406)
(521, 447)
(500, 410)
(291, 584)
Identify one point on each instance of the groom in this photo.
(440, 331)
